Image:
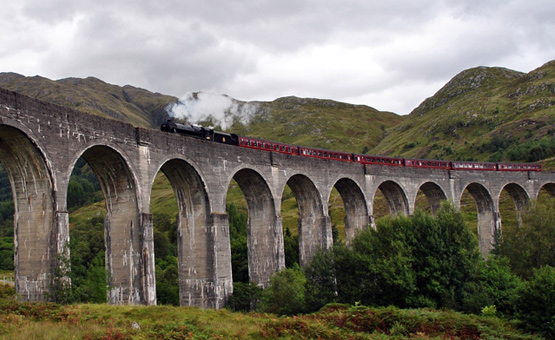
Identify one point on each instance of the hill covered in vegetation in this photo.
(311, 122)
(483, 113)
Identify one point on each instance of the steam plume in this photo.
(221, 109)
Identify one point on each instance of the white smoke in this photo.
(196, 107)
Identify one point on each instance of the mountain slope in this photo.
(310, 122)
(481, 114)
(130, 104)
(477, 115)
(319, 123)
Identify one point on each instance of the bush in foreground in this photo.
(535, 307)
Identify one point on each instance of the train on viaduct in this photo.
(40, 144)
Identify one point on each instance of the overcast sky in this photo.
(388, 54)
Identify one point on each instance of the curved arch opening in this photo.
(477, 195)
(195, 256)
(87, 211)
(237, 212)
(165, 214)
(546, 193)
(356, 211)
(313, 227)
(264, 229)
(290, 220)
(513, 200)
(337, 216)
(7, 212)
(390, 199)
(34, 214)
(429, 197)
(124, 258)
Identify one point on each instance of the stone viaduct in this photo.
(41, 142)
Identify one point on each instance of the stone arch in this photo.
(194, 236)
(37, 239)
(520, 198)
(396, 197)
(434, 194)
(314, 225)
(264, 228)
(124, 226)
(549, 188)
(486, 216)
(355, 207)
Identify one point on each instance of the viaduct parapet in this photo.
(41, 142)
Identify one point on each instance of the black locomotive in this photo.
(199, 131)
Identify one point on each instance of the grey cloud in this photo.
(175, 46)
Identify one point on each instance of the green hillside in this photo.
(310, 122)
(481, 114)
(319, 123)
(129, 104)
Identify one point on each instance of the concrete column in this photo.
(222, 277)
(35, 239)
(124, 258)
(205, 263)
(63, 255)
(265, 243)
(372, 222)
(148, 262)
(354, 222)
(497, 229)
(488, 222)
(314, 233)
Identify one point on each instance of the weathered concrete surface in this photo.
(40, 144)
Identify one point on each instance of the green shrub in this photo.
(532, 245)
(409, 261)
(286, 293)
(245, 298)
(495, 285)
(535, 307)
(489, 311)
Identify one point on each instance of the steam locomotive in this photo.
(260, 144)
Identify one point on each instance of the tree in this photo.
(384, 264)
(495, 285)
(321, 285)
(291, 248)
(535, 308)
(167, 281)
(533, 244)
(445, 255)
(238, 243)
(286, 292)
(245, 298)
(409, 261)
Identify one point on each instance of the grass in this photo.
(106, 322)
